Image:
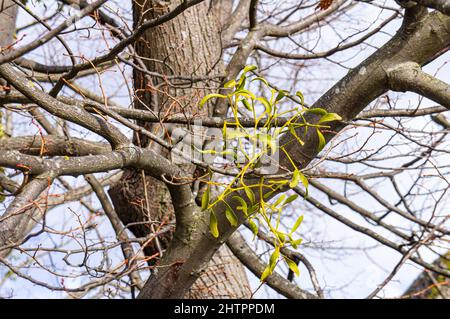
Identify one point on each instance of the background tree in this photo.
(92, 94)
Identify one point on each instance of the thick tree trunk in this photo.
(188, 45)
(8, 13)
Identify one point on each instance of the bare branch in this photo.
(248, 257)
(13, 225)
(50, 35)
(284, 31)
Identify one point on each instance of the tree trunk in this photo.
(188, 45)
(8, 13)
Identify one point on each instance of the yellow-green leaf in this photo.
(265, 273)
(230, 84)
(305, 183)
(304, 180)
(249, 193)
(281, 236)
(210, 96)
(213, 227)
(297, 224)
(329, 117)
(231, 216)
(246, 93)
(253, 226)
(247, 105)
(241, 82)
(297, 242)
(292, 266)
(205, 199)
(290, 199)
(279, 200)
(322, 141)
(281, 94)
(253, 209)
(301, 97)
(266, 104)
(260, 79)
(295, 179)
(249, 68)
(274, 258)
(269, 141)
(243, 206)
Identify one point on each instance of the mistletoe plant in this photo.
(248, 147)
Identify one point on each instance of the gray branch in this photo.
(409, 76)
(249, 258)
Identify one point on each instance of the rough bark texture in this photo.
(144, 209)
(8, 13)
(187, 45)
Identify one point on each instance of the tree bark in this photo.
(187, 45)
(8, 14)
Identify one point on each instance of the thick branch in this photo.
(53, 106)
(421, 36)
(409, 76)
(53, 145)
(239, 15)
